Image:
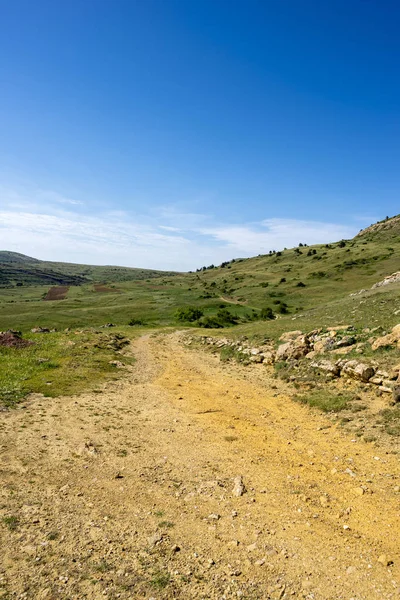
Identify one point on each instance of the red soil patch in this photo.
(10, 339)
(58, 292)
(99, 287)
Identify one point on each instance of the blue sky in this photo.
(177, 133)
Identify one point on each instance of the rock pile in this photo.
(295, 346)
(394, 278)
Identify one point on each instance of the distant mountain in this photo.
(19, 269)
(15, 257)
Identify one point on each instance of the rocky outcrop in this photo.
(356, 370)
(327, 366)
(335, 340)
(394, 278)
(296, 348)
(391, 339)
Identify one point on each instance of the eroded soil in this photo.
(127, 492)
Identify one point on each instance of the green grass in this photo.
(325, 400)
(24, 270)
(58, 364)
(390, 418)
(244, 289)
(160, 580)
(166, 525)
(244, 286)
(11, 522)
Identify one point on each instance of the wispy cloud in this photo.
(55, 229)
(275, 234)
(51, 196)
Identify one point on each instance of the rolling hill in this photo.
(18, 269)
(314, 283)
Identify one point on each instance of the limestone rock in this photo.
(388, 280)
(391, 339)
(238, 486)
(396, 394)
(356, 370)
(327, 366)
(296, 349)
(268, 357)
(288, 336)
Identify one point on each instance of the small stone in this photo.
(238, 486)
(251, 547)
(358, 491)
(214, 517)
(154, 539)
(350, 570)
(384, 560)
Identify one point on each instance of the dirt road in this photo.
(128, 492)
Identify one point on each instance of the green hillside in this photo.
(301, 288)
(16, 258)
(20, 270)
(287, 283)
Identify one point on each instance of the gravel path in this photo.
(136, 492)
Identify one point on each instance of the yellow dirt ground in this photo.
(127, 493)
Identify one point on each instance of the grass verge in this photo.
(325, 400)
(59, 364)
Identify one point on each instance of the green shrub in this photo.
(133, 322)
(283, 308)
(209, 323)
(266, 313)
(188, 313)
(318, 274)
(225, 316)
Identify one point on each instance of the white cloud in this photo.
(275, 234)
(166, 228)
(118, 239)
(50, 196)
(49, 226)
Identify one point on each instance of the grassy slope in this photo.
(18, 268)
(329, 274)
(324, 301)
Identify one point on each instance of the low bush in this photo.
(267, 313)
(225, 316)
(134, 322)
(209, 323)
(188, 313)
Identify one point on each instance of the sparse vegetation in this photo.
(325, 400)
(12, 522)
(390, 418)
(189, 314)
(160, 580)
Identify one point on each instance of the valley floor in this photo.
(127, 493)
